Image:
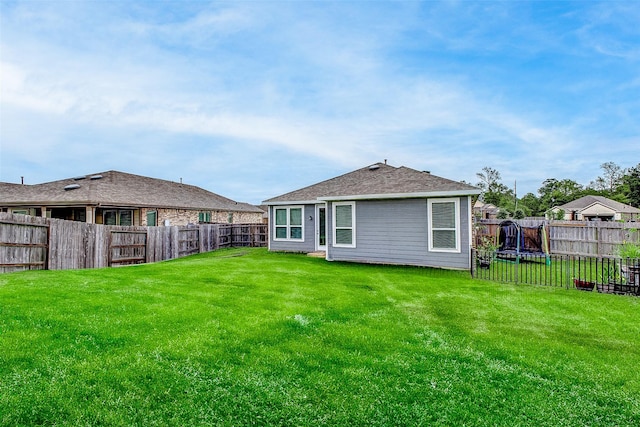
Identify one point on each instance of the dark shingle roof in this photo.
(586, 201)
(118, 189)
(377, 181)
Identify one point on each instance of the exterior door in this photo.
(321, 228)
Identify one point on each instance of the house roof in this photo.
(479, 204)
(584, 202)
(377, 181)
(118, 189)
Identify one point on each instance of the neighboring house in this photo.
(118, 198)
(378, 214)
(485, 210)
(597, 208)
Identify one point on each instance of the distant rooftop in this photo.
(113, 188)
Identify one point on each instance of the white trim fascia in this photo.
(288, 225)
(334, 226)
(401, 195)
(269, 225)
(289, 203)
(317, 227)
(470, 222)
(458, 227)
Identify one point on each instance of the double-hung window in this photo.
(344, 224)
(288, 223)
(444, 225)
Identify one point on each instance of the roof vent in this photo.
(71, 187)
(78, 178)
(374, 167)
(95, 177)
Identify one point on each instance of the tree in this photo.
(559, 214)
(503, 214)
(493, 191)
(611, 178)
(530, 204)
(489, 178)
(632, 184)
(556, 193)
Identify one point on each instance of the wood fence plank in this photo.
(593, 238)
(28, 242)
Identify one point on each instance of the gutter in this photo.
(420, 195)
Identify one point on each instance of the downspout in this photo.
(269, 209)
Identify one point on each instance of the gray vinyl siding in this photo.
(308, 245)
(396, 232)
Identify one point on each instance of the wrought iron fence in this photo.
(603, 274)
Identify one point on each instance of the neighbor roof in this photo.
(118, 189)
(377, 181)
(586, 201)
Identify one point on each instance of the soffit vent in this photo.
(71, 187)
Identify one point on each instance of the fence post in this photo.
(473, 262)
(174, 244)
(201, 239)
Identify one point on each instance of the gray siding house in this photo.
(378, 214)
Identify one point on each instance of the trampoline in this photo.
(521, 243)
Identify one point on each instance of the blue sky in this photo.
(252, 99)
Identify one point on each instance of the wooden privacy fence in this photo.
(23, 244)
(28, 243)
(587, 238)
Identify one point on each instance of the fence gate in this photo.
(188, 241)
(23, 246)
(127, 247)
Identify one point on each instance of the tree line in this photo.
(615, 182)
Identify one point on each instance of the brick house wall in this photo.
(187, 216)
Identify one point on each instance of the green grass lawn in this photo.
(247, 337)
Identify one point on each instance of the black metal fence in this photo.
(603, 274)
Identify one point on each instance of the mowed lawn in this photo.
(247, 337)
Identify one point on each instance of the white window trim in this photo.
(456, 202)
(317, 227)
(334, 228)
(288, 225)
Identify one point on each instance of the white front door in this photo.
(321, 227)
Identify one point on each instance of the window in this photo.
(204, 217)
(288, 222)
(230, 217)
(444, 225)
(110, 218)
(126, 217)
(152, 218)
(344, 225)
(118, 217)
